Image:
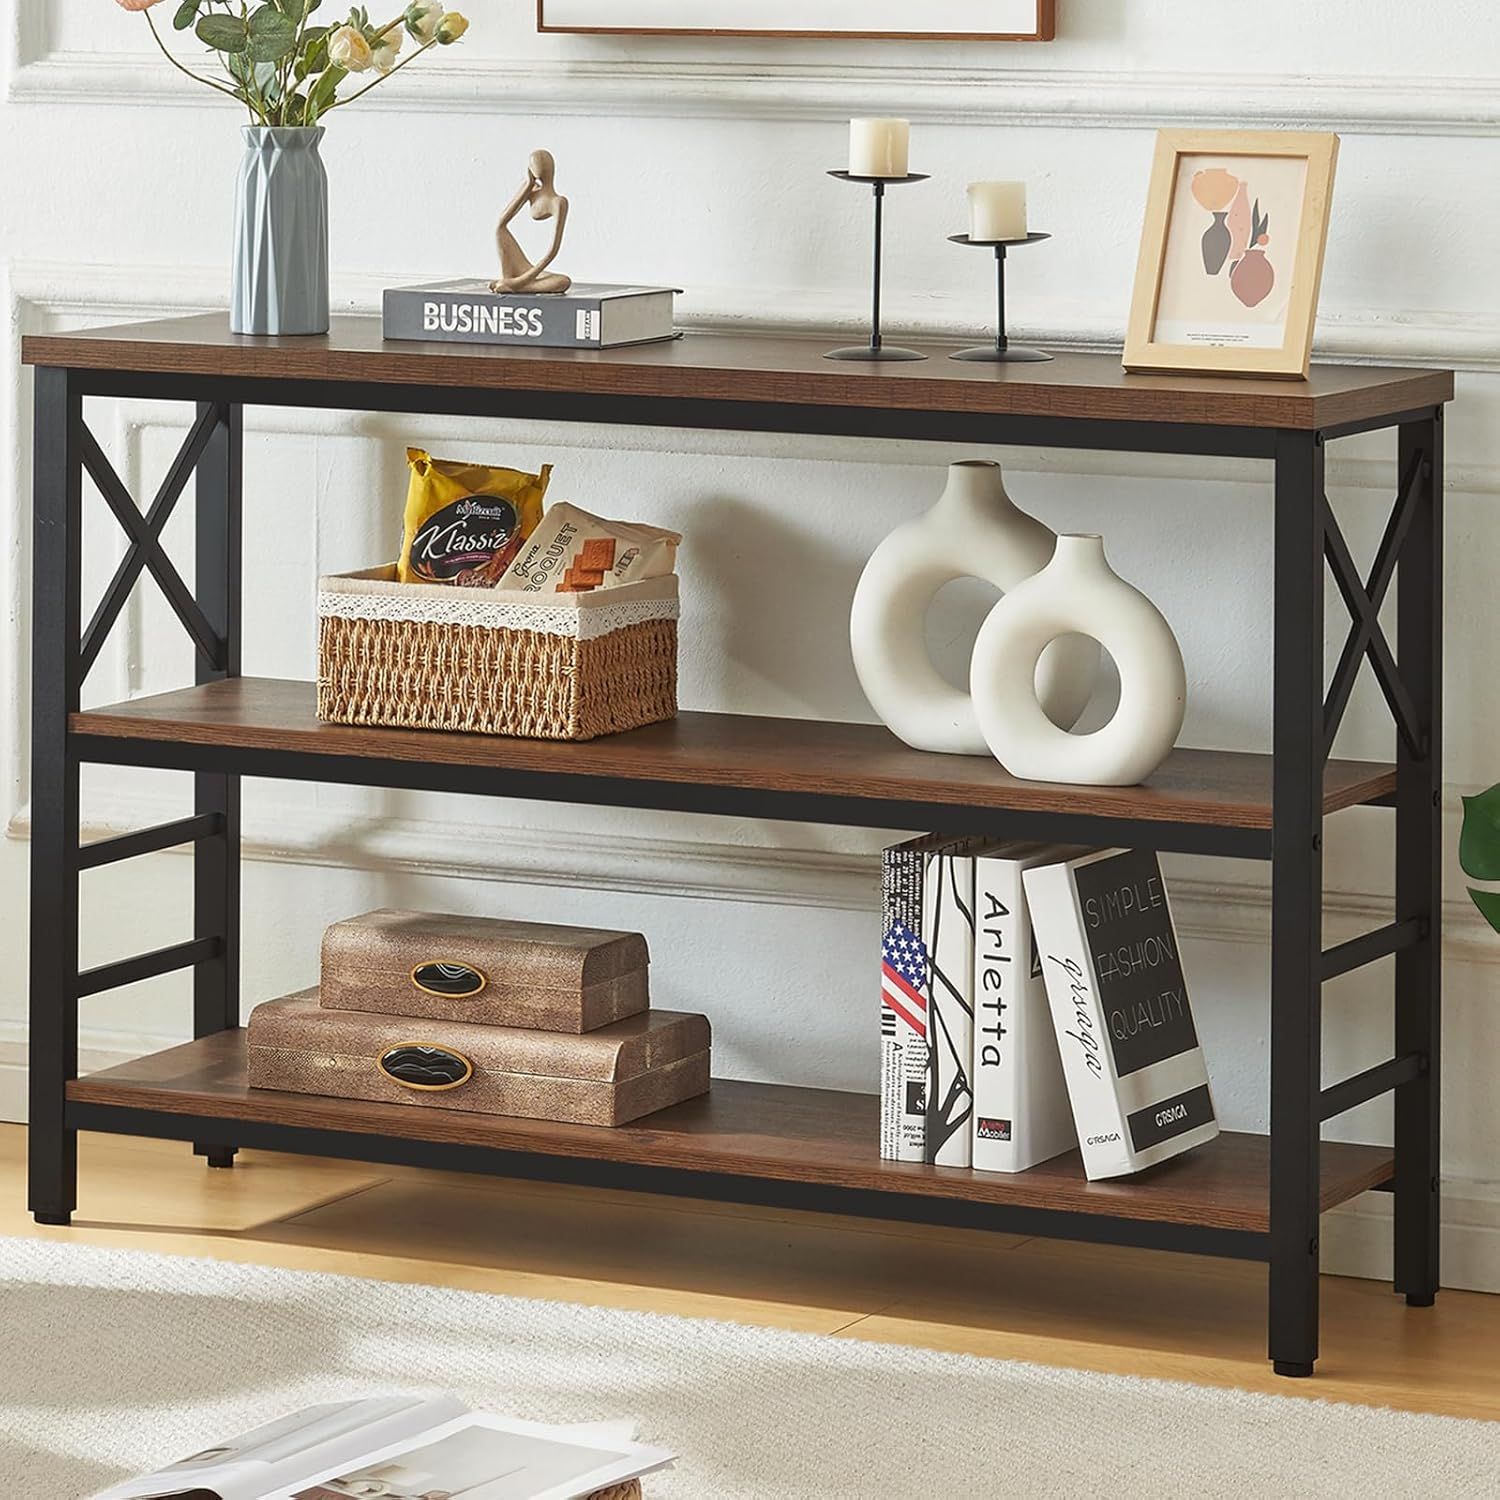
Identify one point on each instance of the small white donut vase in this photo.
(1078, 592)
(974, 531)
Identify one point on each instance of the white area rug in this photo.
(114, 1362)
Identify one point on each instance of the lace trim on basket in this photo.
(465, 609)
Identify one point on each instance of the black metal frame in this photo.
(1306, 716)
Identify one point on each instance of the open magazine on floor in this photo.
(402, 1448)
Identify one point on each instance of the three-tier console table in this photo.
(1245, 1196)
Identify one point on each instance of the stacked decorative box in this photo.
(479, 1014)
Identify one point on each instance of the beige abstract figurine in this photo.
(517, 273)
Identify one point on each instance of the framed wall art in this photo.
(1232, 252)
(934, 20)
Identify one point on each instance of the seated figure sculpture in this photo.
(518, 273)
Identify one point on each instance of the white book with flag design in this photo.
(904, 999)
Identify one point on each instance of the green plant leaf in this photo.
(268, 82)
(1479, 842)
(222, 33)
(314, 56)
(322, 93)
(273, 35)
(1488, 903)
(187, 13)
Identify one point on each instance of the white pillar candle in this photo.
(878, 148)
(997, 211)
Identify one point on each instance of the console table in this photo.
(1244, 1196)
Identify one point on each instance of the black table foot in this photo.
(1295, 1369)
(1420, 1299)
(61, 1220)
(217, 1156)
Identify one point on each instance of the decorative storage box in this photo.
(543, 666)
(605, 1077)
(485, 970)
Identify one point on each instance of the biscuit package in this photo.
(465, 523)
(573, 552)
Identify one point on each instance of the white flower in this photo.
(422, 20)
(451, 27)
(387, 45)
(348, 50)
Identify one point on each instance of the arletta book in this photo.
(1135, 1071)
(1021, 1111)
(948, 937)
(587, 316)
(400, 1445)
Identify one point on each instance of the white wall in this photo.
(701, 163)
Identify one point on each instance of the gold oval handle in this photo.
(427, 1067)
(448, 979)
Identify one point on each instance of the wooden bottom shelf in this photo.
(755, 1130)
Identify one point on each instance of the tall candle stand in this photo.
(1002, 351)
(877, 348)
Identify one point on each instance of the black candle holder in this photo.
(876, 348)
(1002, 351)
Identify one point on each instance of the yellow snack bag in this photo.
(466, 522)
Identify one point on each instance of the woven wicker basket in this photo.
(553, 667)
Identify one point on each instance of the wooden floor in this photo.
(1089, 1307)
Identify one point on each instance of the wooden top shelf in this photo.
(766, 369)
(759, 1130)
(849, 769)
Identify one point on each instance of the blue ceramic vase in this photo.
(280, 233)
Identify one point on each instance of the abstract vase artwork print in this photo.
(1237, 237)
(1214, 188)
(1253, 275)
(1221, 285)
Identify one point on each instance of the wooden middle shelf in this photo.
(853, 772)
(814, 1136)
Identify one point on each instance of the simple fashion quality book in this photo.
(588, 316)
(400, 1445)
(1021, 1110)
(1134, 1068)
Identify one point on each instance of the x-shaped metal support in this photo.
(146, 552)
(1363, 599)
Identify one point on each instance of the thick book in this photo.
(401, 1445)
(948, 937)
(904, 996)
(587, 316)
(1110, 958)
(1021, 1110)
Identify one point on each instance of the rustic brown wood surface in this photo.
(745, 367)
(1046, 30)
(1218, 787)
(748, 1129)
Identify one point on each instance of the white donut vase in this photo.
(974, 531)
(1078, 592)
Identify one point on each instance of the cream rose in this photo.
(387, 45)
(451, 27)
(348, 50)
(422, 20)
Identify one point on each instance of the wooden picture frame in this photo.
(940, 20)
(1211, 294)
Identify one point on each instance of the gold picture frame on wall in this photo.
(901, 20)
(1231, 255)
